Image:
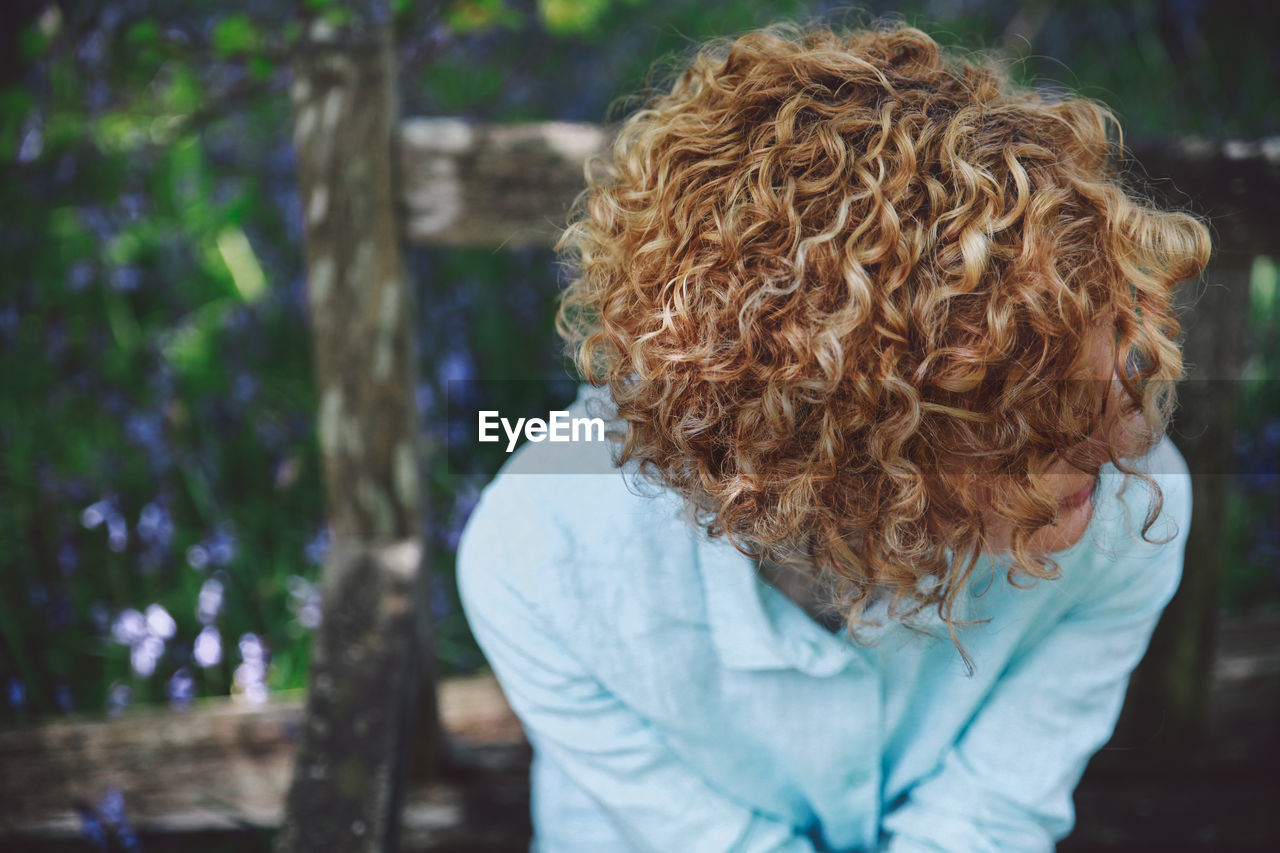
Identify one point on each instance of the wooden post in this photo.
(372, 647)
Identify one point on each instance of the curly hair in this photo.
(823, 266)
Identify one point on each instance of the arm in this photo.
(649, 796)
(1007, 783)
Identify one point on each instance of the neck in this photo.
(801, 586)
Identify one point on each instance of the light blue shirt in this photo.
(675, 701)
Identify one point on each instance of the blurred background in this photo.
(162, 520)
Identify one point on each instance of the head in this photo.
(876, 309)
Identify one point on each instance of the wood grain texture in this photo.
(223, 764)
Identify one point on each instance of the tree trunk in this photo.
(372, 646)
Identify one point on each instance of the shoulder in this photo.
(568, 541)
(1169, 490)
(1125, 557)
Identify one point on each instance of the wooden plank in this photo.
(493, 185)
(221, 764)
(468, 183)
(1233, 182)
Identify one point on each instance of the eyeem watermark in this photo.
(557, 427)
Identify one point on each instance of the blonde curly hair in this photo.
(823, 266)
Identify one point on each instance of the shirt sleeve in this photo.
(1007, 784)
(654, 801)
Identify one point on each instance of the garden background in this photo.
(161, 509)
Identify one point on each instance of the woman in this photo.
(889, 355)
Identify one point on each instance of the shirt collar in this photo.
(754, 626)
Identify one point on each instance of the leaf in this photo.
(572, 17)
(241, 262)
(235, 34)
(468, 16)
(143, 34)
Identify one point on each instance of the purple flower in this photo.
(130, 627)
(9, 320)
(17, 693)
(155, 527)
(111, 811)
(100, 616)
(125, 279)
(244, 387)
(197, 557)
(32, 142)
(159, 623)
(132, 205)
(456, 366)
(96, 513)
(119, 697)
(208, 647)
(424, 397)
(222, 547)
(90, 827)
(305, 601)
(68, 558)
(117, 532)
(250, 676)
(318, 547)
(145, 428)
(209, 601)
(58, 611)
(144, 656)
(80, 275)
(63, 697)
(181, 688)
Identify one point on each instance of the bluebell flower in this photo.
(132, 205)
(91, 828)
(424, 399)
(94, 514)
(80, 276)
(181, 688)
(9, 321)
(456, 366)
(316, 549)
(117, 532)
(63, 697)
(250, 676)
(305, 601)
(159, 623)
(222, 546)
(130, 627)
(197, 557)
(207, 649)
(144, 656)
(68, 558)
(119, 697)
(112, 813)
(155, 525)
(125, 279)
(100, 616)
(17, 693)
(144, 428)
(32, 141)
(243, 387)
(58, 609)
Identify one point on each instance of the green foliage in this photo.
(469, 16)
(235, 35)
(570, 17)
